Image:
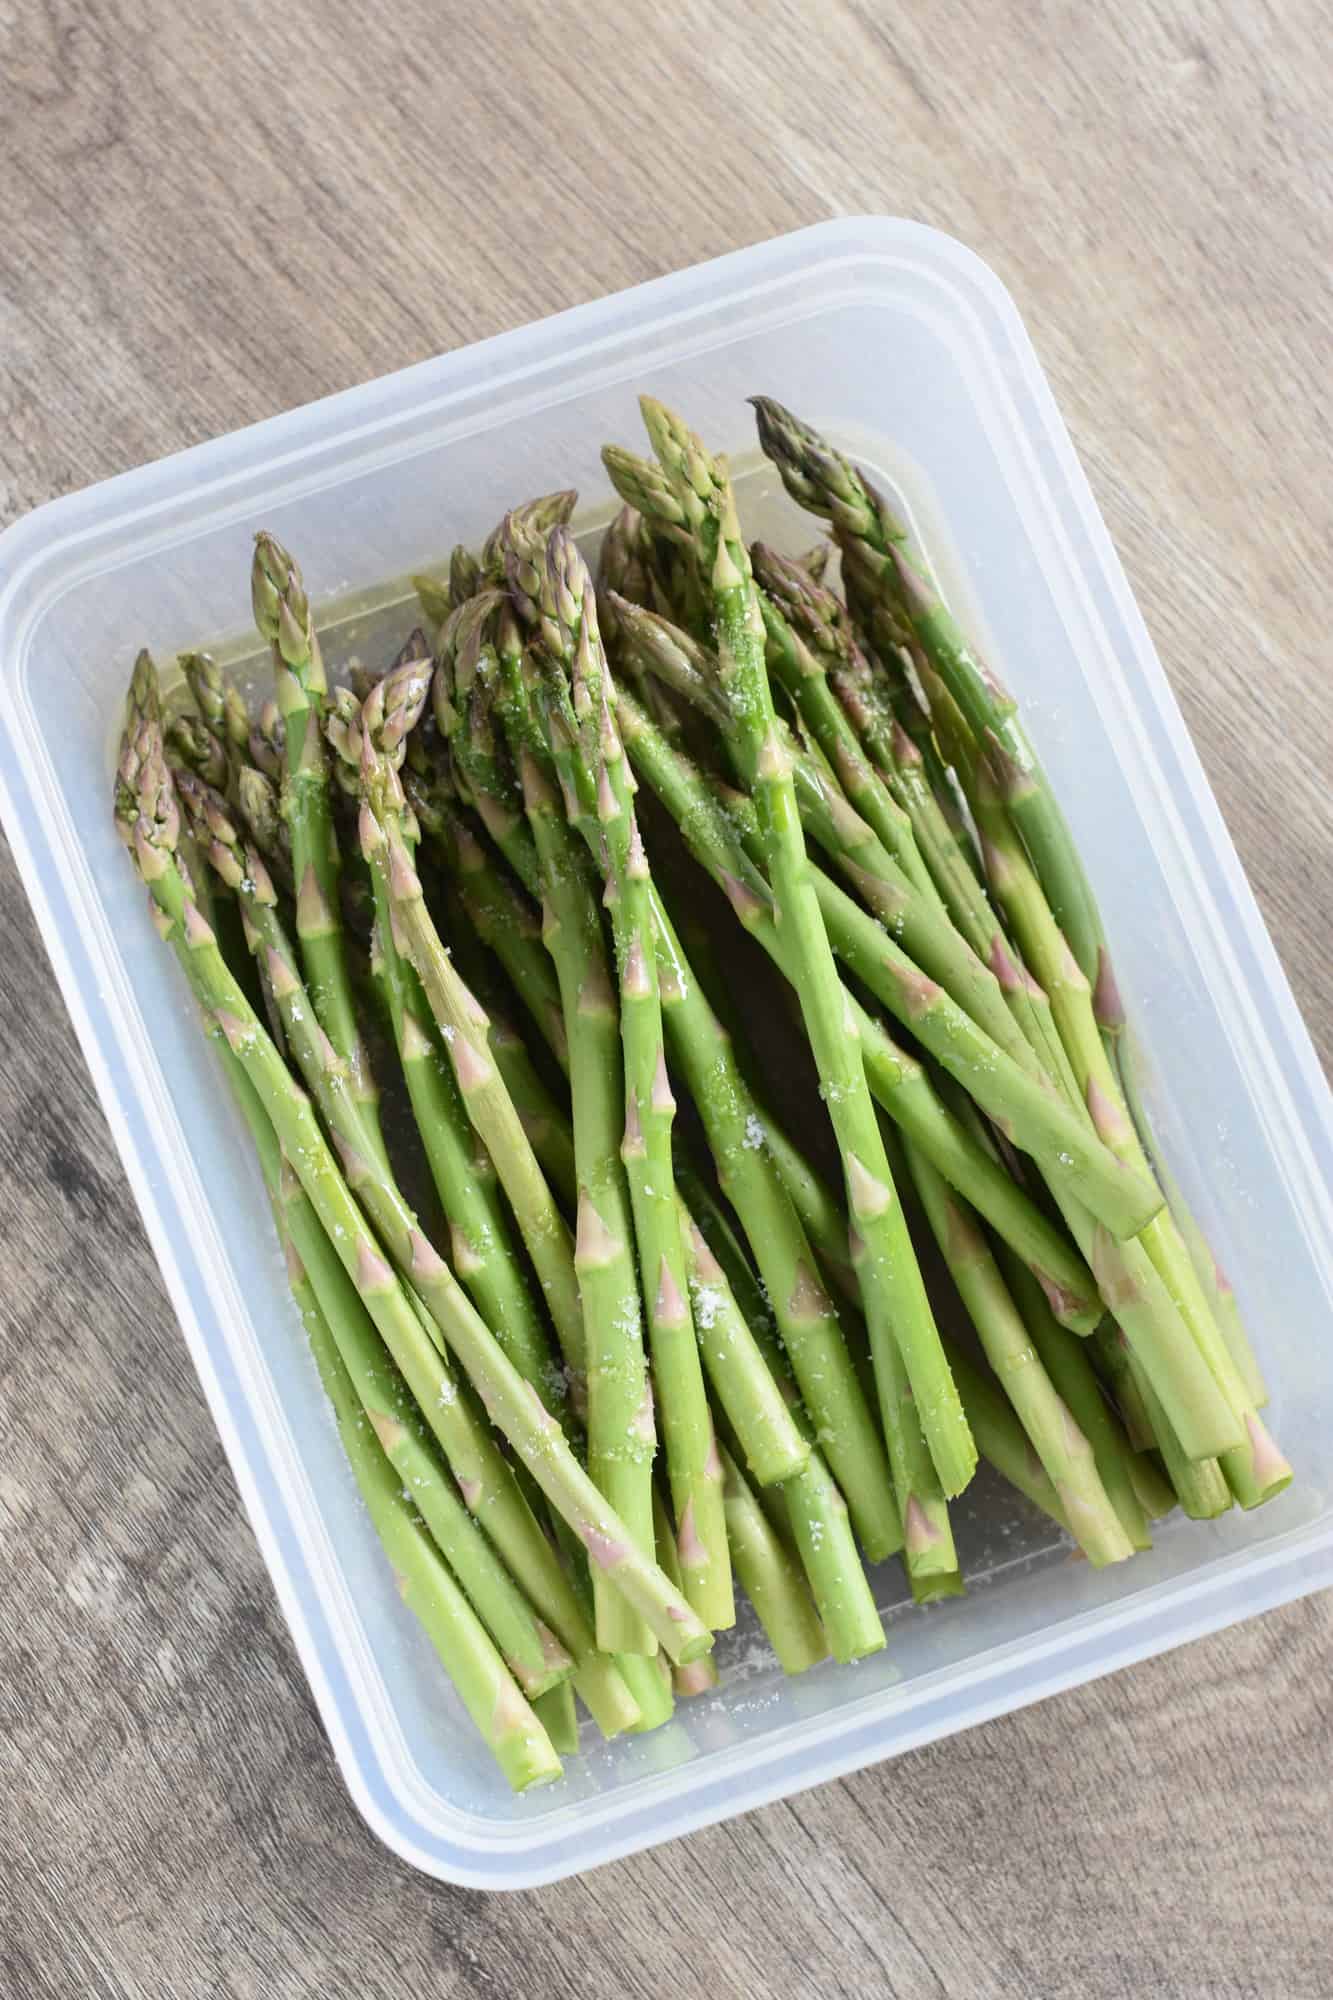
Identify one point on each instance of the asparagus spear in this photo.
(433, 594)
(870, 534)
(743, 1382)
(1001, 1438)
(1064, 1372)
(1201, 1486)
(578, 712)
(622, 573)
(771, 1580)
(806, 1318)
(535, 1657)
(808, 1507)
(485, 1480)
(1059, 1443)
(621, 1425)
(484, 1254)
(896, 1080)
(967, 970)
(265, 743)
(801, 672)
(1125, 1274)
(221, 705)
(875, 688)
(462, 1023)
(282, 614)
(516, 1409)
(1254, 1466)
(1216, 1285)
(897, 1308)
(740, 1375)
(701, 1675)
(874, 543)
(505, 1719)
(533, 1654)
(197, 749)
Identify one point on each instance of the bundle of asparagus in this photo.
(361, 885)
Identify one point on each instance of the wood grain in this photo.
(215, 212)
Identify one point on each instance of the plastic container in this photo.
(905, 348)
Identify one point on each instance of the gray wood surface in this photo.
(213, 212)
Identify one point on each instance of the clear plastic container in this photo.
(906, 349)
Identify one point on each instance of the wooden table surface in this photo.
(215, 212)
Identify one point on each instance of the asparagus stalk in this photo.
(622, 572)
(871, 536)
(515, 1407)
(1200, 1484)
(533, 1654)
(808, 1508)
(1001, 1438)
(701, 1675)
(966, 966)
(746, 1374)
(1064, 1374)
(482, 1475)
(621, 1425)
(464, 574)
(512, 1731)
(591, 763)
(1064, 1451)
(222, 707)
(806, 1317)
(737, 1368)
(622, 1428)
(874, 542)
(282, 614)
(194, 746)
(433, 594)
(1067, 1363)
(897, 1082)
(897, 1307)
(462, 1022)
(743, 1383)
(484, 1254)
(771, 1580)
(264, 743)
(884, 707)
(558, 1716)
(1125, 1274)
(1254, 1466)
(800, 670)
(1216, 1285)
(484, 1479)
